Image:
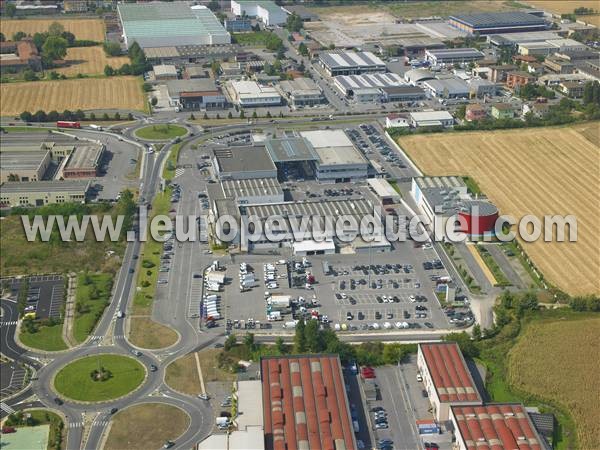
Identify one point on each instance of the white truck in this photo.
(213, 277)
(279, 302)
(274, 316)
(290, 324)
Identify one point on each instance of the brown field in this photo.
(103, 93)
(89, 60)
(146, 426)
(543, 363)
(83, 29)
(537, 171)
(568, 6)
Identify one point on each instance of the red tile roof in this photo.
(26, 49)
(304, 403)
(496, 427)
(449, 372)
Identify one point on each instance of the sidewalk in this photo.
(67, 333)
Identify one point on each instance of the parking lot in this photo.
(12, 378)
(45, 295)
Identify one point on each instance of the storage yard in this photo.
(84, 29)
(86, 94)
(521, 174)
(89, 60)
(543, 363)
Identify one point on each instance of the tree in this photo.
(126, 69)
(230, 115)
(242, 115)
(129, 116)
(254, 115)
(153, 101)
(18, 36)
(230, 342)
(109, 71)
(54, 75)
(476, 332)
(294, 23)
(117, 116)
(467, 346)
(303, 49)
(2, 37)
(213, 5)
(39, 39)
(56, 29)
(53, 116)
(79, 115)
(111, 48)
(29, 75)
(39, 116)
(192, 117)
(249, 342)
(280, 346)
(312, 336)
(215, 67)
(69, 37)
(10, 9)
(268, 114)
(105, 116)
(25, 116)
(300, 338)
(461, 111)
(92, 116)
(54, 48)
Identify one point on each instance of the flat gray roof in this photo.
(72, 186)
(347, 60)
(176, 87)
(290, 149)
(454, 86)
(324, 208)
(456, 53)
(251, 188)
(243, 159)
(300, 86)
(85, 156)
(24, 158)
(371, 80)
(499, 19)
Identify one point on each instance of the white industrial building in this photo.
(452, 55)
(348, 84)
(431, 119)
(350, 62)
(416, 77)
(384, 191)
(301, 92)
(253, 190)
(266, 11)
(248, 93)
(551, 46)
(338, 159)
(446, 378)
(447, 88)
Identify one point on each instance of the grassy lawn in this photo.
(48, 338)
(171, 164)
(182, 375)
(254, 38)
(93, 296)
(145, 333)
(491, 263)
(160, 132)
(146, 426)
(75, 379)
(210, 366)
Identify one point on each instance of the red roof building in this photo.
(446, 378)
(504, 426)
(304, 404)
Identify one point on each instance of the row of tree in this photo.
(137, 66)
(79, 115)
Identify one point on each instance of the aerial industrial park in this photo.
(280, 225)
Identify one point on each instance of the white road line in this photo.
(7, 409)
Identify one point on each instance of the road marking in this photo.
(13, 322)
(179, 172)
(7, 409)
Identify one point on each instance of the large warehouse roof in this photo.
(342, 60)
(305, 406)
(254, 187)
(290, 149)
(325, 208)
(455, 53)
(24, 158)
(243, 159)
(159, 24)
(449, 372)
(498, 19)
(499, 427)
(45, 186)
(373, 80)
(333, 147)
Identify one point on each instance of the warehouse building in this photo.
(188, 54)
(447, 198)
(196, 94)
(238, 24)
(338, 160)
(249, 94)
(350, 63)
(158, 24)
(402, 94)
(384, 191)
(266, 11)
(417, 76)
(40, 193)
(163, 72)
(301, 92)
(304, 403)
(431, 119)
(453, 56)
(502, 426)
(499, 22)
(551, 46)
(83, 161)
(446, 378)
(243, 163)
(294, 157)
(348, 84)
(447, 88)
(254, 190)
(24, 163)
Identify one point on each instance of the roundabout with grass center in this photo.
(160, 132)
(99, 378)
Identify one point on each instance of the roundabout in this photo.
(99, 378)
(161, 132)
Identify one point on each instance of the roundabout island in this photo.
(160, 132)
(99, 378)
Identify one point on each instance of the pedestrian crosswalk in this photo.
(7, 409)
(179, 172)
(100, 423)
(7, 324)
(75, 425)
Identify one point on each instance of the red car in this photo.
(6, 430)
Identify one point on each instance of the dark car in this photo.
(153, 368)
(58, 401)
(424, 393)
(114, 410)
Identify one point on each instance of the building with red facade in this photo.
(519, 78)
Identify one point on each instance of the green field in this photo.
(258, 39)
(160, 132)
(93, 296)
(47, 338)
(75, 381)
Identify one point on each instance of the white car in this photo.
(343, 295)
(412, 298)
(387, 325)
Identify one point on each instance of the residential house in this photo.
(519, 78)
(503, 111)
(475, 111)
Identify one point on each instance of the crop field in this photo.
(89, 60)
(543, 363)
(568, 6)
(83, 29)
(85, 94)
(543, 171)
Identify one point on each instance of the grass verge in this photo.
(145, 333)
(182, 375)
(93, 296)
(160, 132)
(171, 164)
(75, 380)
(491, 264)
(47, 338)
(146, 426)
